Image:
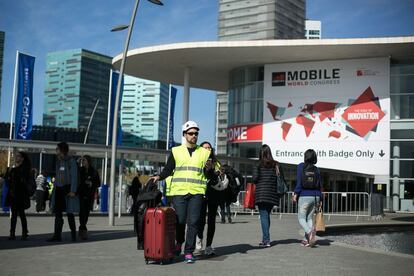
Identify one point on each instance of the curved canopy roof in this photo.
(211, 62)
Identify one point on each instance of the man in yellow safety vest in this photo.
(190, 167)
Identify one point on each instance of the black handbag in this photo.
(281, 186)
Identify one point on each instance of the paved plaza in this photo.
(112, 251)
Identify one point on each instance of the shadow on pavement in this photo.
(40, 240)
(405, 218)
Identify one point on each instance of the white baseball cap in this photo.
(190, 124)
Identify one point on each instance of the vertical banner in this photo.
(24, 101)
(173, 95)
(115, 77)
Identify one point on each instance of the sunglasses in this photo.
(192, 133)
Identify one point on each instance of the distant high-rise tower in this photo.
(2, 36)
(75, 80)
(254, 20)
(144, 113)
(264, 19)
(313, 29)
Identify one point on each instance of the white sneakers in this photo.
(209, 251)
(199, 244)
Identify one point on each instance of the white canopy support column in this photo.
(186, 98)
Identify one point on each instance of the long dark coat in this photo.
(266, 185)
(18, 179)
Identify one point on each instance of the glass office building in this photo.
(313, 29)
(75, 81)
(144, 113)
(262, 19)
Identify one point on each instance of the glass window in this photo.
(402, 134)
(402, 69)
(406, 148)
(402, 106)
(402, 84)
(406, 168)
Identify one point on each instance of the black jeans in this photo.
(85, 205)
(188, 210)
(202, 222)
(211, 220)
(59, 208)
(18, 211)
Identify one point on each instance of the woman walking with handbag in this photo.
(266, 197)
(308, 190)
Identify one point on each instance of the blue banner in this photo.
(173, 95)
(3, 197)
(115, 77)
(24, 100)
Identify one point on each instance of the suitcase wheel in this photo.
(146, 261)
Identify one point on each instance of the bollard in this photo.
(104, 198)
(5, 190)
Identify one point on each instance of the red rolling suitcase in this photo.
(159, 234)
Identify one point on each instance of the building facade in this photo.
(75, 81)
(254, 20)
(144, 113)
(313, 29)
(246, 95)
(349, 99)
(262, 19)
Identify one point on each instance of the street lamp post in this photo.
(116, 109)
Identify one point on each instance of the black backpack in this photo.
(236, 182)
(309, 177)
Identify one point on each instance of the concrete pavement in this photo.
(112, 251)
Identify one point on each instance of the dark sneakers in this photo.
(83, 234)
(12, 237)
(24, 237)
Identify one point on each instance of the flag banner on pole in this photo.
(173, 94)
(115, 77)
(24, 101)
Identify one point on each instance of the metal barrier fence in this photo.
(334, 203)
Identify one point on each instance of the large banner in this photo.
(339, 108)
(24, 101)
(173, 95)
(114, 83)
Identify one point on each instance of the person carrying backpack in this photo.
(308, 194)
(231, 192)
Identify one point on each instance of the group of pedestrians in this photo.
(197, 184)
(307, 192)
(197, 181)
(73, 192)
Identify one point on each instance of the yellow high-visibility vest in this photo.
(168, 186)
(188, 177)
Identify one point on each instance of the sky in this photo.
(37, 27)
